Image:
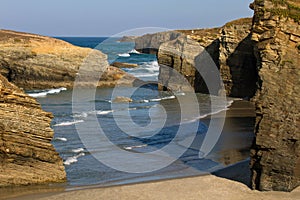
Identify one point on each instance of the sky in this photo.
(109, 17)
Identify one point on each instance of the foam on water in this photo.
(124, 55)
(78, 150)
(73, 159)
(69, 123)
(44, 93)
(135, 147)
(133, 51)
(61, 139)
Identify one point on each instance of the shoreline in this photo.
(238, 110)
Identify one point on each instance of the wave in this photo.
(44, 93)
(124, 55)
(104, 112)
(133, 51)
(61, 139)
(73, 159)
(135, 147)
(79, 150)
(69, 123)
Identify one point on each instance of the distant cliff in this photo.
(229, 46)
(38, 62)
(26, 154)
(259, 59)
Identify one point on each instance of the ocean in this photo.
(132, 154)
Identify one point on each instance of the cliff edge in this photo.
(26, 154)
(38, 62)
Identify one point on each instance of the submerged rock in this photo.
(122, 100)
(26, 153)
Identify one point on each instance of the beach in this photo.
(204, 187)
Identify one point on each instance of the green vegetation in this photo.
(17, 40)
(292, 11)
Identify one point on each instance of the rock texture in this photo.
(37, 62)
(258, 60)
(150, 43)
(276, 150)
(26, 154)
(230, 47)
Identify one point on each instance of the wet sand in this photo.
(229, 183)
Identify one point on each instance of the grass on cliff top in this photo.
(242, 21)
(292, 9)
(214, 32)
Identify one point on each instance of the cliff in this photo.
(38, 62)
(257, 59)
(26, 154)
(229, 46)
(276, 150)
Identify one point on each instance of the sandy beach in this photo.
(229, 183)
(205, 187)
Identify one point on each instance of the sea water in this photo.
(80, 162)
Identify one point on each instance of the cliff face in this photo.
(26, 154)
(230, 47)
(259, 60)
(38, 62)
(276, 150)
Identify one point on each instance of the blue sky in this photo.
(106, 18)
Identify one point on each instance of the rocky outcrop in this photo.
(150, 43)
(124, 65)
(230, 47)
(38, 62)
(26, 154)
(258, 60)
(275, 154)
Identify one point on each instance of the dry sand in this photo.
(205, 187)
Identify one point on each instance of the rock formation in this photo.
(38, 62)
(230, 47)
(151, 42)
(26, 154)
(258, 60)
(276, 150)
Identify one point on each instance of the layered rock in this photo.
(150, 43)
(26, 153)
(275, 154)
(259, 60)
(230, 47)
(38, 62)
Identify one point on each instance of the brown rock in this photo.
(26, 154)
(38, 62)
(275, 153)
(124, 65)
(122, 100)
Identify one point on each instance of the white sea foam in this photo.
(78, 150)
(44, 93)
(104, 112)
(135, 147)
(134, 51)
(124, 55)
(73, 159)
(69, 123)
(61, 139)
